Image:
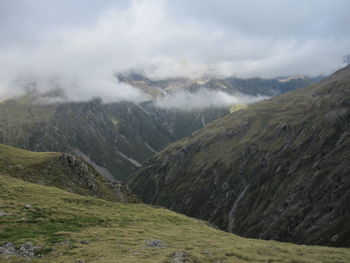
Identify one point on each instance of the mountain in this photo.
(115, 137)
(278, 169)
(61, 170)
(232, 85)
(46, 224)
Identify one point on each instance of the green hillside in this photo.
(115, 137)
(278, 169)
(108, 135)
(65, 227)
(64, 171)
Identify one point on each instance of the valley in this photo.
(277, 169)
(116, 137)
(159, 131)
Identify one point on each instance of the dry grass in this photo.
(119, 232)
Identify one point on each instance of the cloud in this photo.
(203, 98)
(80, 52)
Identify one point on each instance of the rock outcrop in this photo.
(65, 171)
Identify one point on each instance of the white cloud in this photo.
(203, 98)
(155, 36)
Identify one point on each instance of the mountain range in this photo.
(278, 169)
(41, 222)
(118, 137)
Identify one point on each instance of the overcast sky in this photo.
(79, 44)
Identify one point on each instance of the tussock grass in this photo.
(52, 169)
(58, 221)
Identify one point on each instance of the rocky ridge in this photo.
(65, 171)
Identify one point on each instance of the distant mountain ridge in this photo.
(232, 85)
(116, 137)
(277, 169)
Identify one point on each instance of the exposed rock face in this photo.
(85, 176)
(277, 170)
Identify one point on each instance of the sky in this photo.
(78, 45)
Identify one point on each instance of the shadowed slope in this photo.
(290, 155)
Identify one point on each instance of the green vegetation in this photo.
(64, 171)
(20, 162)
(237, 107)
(69, 227)
(99, 131)
(288, 156)
(114, 136)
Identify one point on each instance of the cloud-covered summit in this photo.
(79, 45)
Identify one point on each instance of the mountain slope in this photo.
(46, 224)
(111, 136)
(64, 171)
(278, 169)
(117, 137)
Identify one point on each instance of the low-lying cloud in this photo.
(165, 39)
(203, 98)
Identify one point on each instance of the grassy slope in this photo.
(54, 169)
(119, 232)
(15, 160)
(290, 150)
(22, 119)
(66, 127)
(123, 127)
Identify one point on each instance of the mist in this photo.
(187, 101)
(47, 45)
